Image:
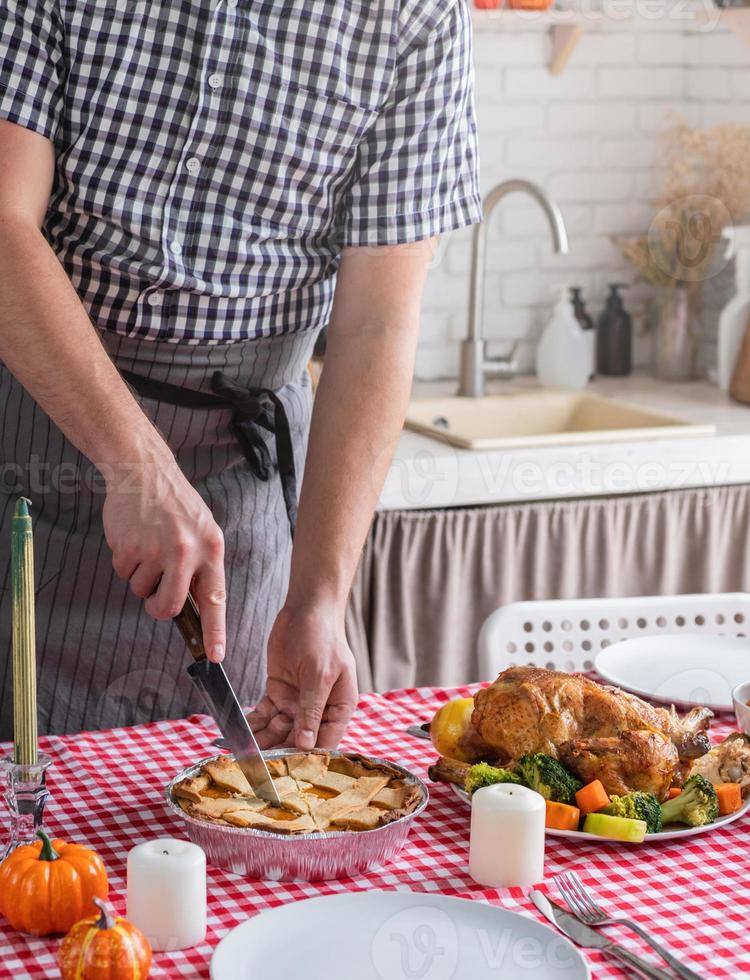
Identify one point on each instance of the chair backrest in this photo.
(566, 634)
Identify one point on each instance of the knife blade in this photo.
(589, 938)
(222, 703)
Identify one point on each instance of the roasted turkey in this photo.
(599, 732)
(634, 760)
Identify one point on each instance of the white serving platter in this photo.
(378, 935)
(683, 669)
(674, 831)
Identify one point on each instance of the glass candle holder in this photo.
(26, 794)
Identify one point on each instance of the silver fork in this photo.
(582, 904)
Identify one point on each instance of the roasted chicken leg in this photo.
(727, 762)
(635, 760)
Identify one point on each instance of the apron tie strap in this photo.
(253, 409)
(262, 407)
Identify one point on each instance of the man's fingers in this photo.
(211, 596)
(262, 713)
(145, 579)
(314, 694)
(170, 596)
(275, 734)
(341, 704)
(124, 565)
(333, 727)
(271, 726)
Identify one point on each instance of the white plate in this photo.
(675, 832)
(394, 936)
(682, 669)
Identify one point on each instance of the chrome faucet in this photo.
(476, 366)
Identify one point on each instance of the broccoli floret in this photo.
(637, 806)
(483, 774)
(696, 805)
(549, 777)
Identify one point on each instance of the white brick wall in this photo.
(589, 136)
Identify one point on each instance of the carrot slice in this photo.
(561, 816)
(592, 797)
(673, 791)
(729, 796)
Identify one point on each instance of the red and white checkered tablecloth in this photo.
(107, 791)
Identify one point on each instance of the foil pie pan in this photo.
(297, 857)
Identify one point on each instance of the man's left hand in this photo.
(311, 692)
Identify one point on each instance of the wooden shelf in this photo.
(565, 28)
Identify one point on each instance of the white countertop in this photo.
(427, 473)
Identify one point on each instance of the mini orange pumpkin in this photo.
(104, 947)
(46, 887)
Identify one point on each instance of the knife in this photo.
(589, 938)
(221, 701)
(419, 731)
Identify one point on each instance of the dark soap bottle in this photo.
(582, 315)
(614, 336)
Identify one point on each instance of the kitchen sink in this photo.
(542, 418)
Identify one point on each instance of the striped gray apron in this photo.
(102, 660)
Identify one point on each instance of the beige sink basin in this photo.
(542, 418)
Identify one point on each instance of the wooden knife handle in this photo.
(189, 624)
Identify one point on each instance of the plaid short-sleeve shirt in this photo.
(214, 156)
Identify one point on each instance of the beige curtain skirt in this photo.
(428, 579)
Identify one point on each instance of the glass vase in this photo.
(676, 335)
(26, 794)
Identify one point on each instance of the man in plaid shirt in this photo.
(189, 191)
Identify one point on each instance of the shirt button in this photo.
(215, 81)
(176, 248)
(193, 165)
(154, 299)
(231, 4)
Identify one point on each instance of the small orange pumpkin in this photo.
(104, 948)
(49, 885)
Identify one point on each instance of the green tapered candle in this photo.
(24, 636)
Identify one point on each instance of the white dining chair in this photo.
(566, 634)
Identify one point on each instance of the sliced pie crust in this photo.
(318, 793)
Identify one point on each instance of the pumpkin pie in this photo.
(318, 792)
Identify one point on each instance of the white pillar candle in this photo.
(507, 836)
(167, 893)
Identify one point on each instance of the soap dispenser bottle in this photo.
(562, 355)
(733, 320)
(614, 336)
(587, 324)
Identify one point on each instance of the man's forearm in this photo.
(358, 415)
(49, 344)
(163, 538)
(359, 410)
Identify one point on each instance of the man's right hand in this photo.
(165, 542)
(163, 538)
